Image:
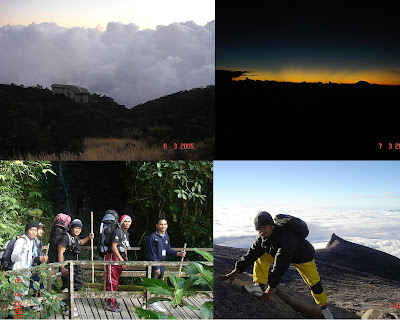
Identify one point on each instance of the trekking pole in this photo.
(38, 289)
(180, 267)
(91, 242)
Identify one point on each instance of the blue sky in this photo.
(349, 184)
(356, 200)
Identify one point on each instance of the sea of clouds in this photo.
(378, 229)
(128, 64)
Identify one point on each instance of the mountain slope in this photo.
(35, 120)
(356, 278)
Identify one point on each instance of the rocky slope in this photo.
(356, 279)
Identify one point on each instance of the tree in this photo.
(180, 191)
(23, 187)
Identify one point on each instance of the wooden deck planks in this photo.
(130, 308)
(94, 309)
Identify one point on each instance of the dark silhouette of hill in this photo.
(284, 120)
(356, 278)
(35, 120)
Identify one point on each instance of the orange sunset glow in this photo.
(373, 76)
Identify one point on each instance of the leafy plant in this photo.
(12, 287)
(180, 191)
(23, 186)
(200, 275)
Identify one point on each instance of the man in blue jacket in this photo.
(158, 247)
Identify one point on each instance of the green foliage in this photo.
(10, 288)
(180, 191)
(23, 186)
(34, 120)
(199, 275)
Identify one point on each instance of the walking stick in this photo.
(91, 241)
(180, 267)
(38, 289)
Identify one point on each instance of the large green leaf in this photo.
(157, 286)
(207, 310)
(155, 299)
(206, 255)
(147, 314)
(176, 282)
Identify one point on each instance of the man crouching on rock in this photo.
(280, 246)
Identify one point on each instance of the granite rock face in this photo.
(356, 279)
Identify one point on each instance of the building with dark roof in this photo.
(76, 93)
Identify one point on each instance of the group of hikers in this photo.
(65, 244)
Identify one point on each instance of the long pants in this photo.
(308, 271)
(113, 275)
(78, 280)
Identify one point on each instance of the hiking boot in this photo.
(76, 314)
(254, 289)
(116, 303)
(326, 313)
(113, 308)
(156, 307)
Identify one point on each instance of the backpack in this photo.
(293, 224)
(6, 252)
(107, 227)
(143, 254)
(60, 225)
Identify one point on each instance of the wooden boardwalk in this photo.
(94, 308)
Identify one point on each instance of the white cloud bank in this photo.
(378, 229)
(128, 64)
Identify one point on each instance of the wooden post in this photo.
(180, 266)
(148, 294)
(71, 290)
(105, 275)
(91, 241)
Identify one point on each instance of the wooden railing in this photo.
(146, 267)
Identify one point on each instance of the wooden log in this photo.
(51, 266)
(306, 309)
(109, 294)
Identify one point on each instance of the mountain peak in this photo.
(334, 241)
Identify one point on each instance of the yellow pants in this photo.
(308, 272)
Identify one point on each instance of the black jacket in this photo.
(285, 246)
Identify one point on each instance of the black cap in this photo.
(263, 218)
(31, 224)
(76, 223)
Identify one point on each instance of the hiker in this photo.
(158, 247)
(60, 226)
(117, 252)
(38, 257)
(69, 247)
(279, 246)
(22, 254)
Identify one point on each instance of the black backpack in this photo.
(60, 225)
(293, 224)
(107, 227)
(6, 252)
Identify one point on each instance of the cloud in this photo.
(378, 229)
(128, 64)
